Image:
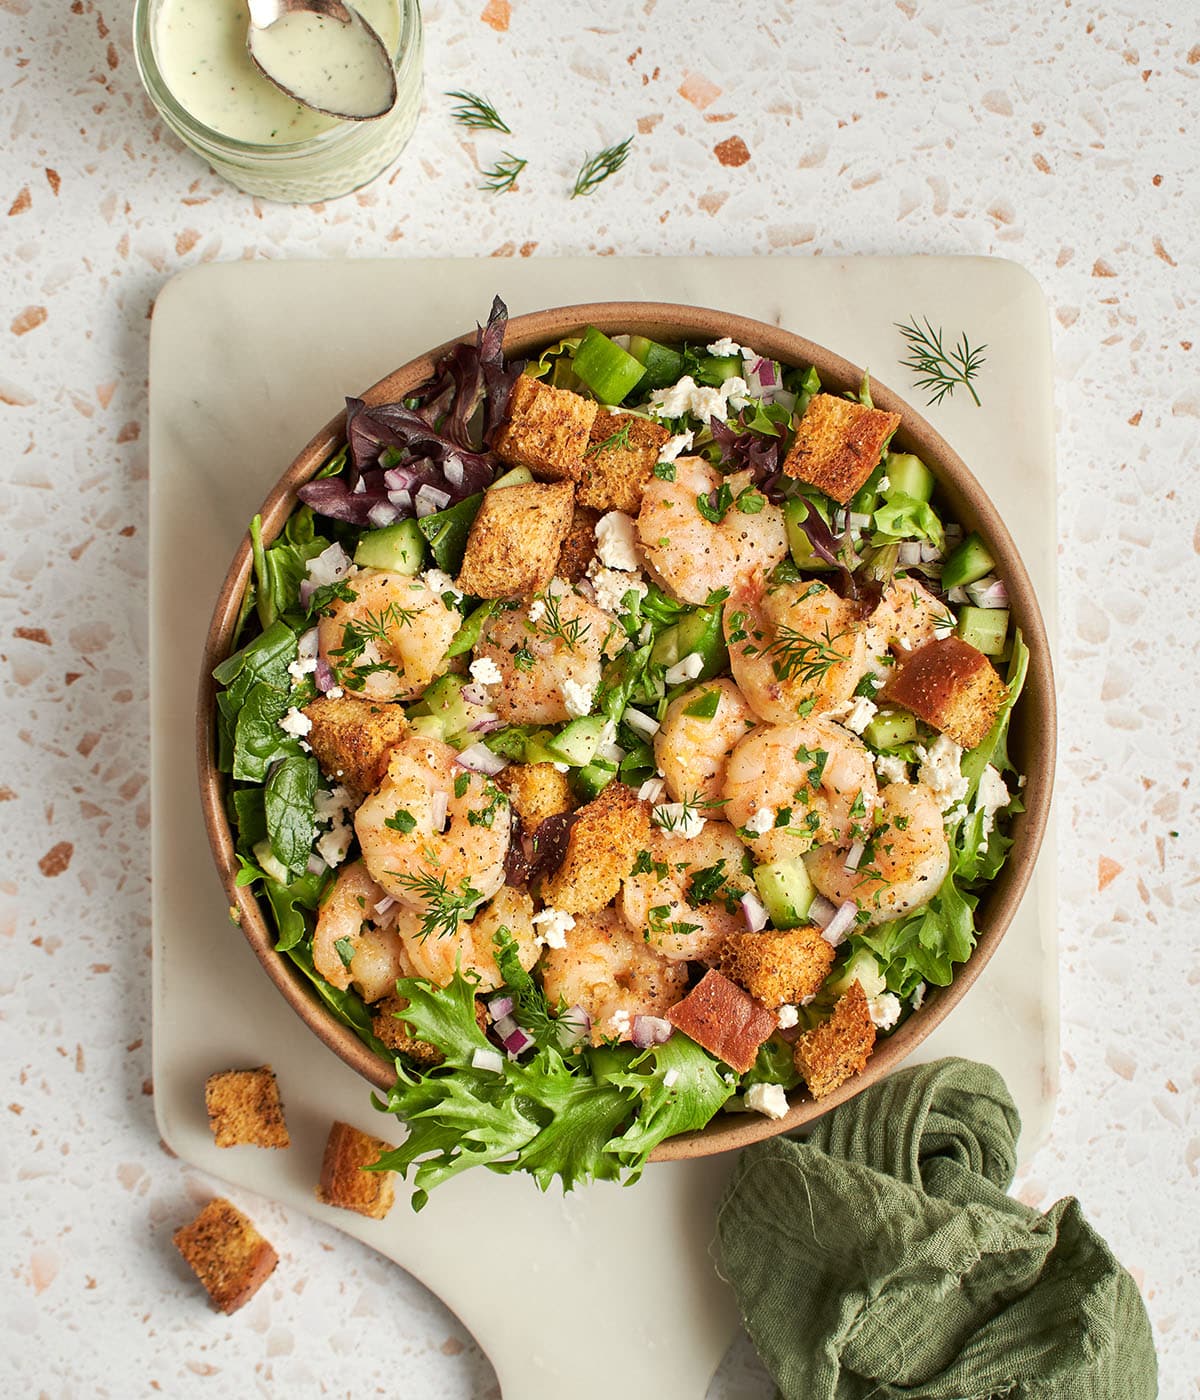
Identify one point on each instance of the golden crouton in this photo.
(515, 540)
(950, 685)
(537, 791)
(243, 1107)
(779, 966)
(353, 738)
(619, 461)
(601, 848)
(226, 1253)
(838, 445)
(725, 1019)
(344, 1183)
(835, 1050)
(579, 547)
(547, 430)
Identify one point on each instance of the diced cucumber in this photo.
(428, 726)
(866, 498)
(663, 365)
(969, 562)
(795, 513)
(399, 548)
(576, 743)
(538, 750)
(444, 701)
(704, 706)
(890, 728)
(700, 632)
(716, 369)
(984, 628)
(862, 968)
(908, 476)
(594, 777)
(607, 370)
(786, 890)
(269, 862)
(468, 634)
(518, 476)
(447, 531)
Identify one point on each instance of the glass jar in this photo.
(332, 162)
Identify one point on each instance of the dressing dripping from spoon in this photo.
(323, 54)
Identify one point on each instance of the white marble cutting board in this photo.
(247, 361)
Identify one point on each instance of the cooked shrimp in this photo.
(904, 863)
(389, 641)
(549, 653)
(657, 903)
(434, 831)
(794, 645)
(612, 974)
(372, 941)
(693, 555)
(814, 778)
(690, 751)
(908, 616)
(471, 946)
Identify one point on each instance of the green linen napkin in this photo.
(882, 1258)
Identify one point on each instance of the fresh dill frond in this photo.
(941, 371)
(803, 658)
(596, 169)
(552, 626)
(502, 177)
(444, 907)
(478, 112)
(616, 442)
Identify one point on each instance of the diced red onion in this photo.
(686, 669)
(858, 520)
(651, 790)
(402, 500)
(621, 340)
(785, 398)
(853, 856)
(488, 1060)
(323, 676)
(453, 469)
(480, 759)
(989, 592)
(315, 866)
(474, 695)
(755, 911)
(382, 514)
(651, 1030)
(384, 905)
(400, 478)
(504, 1026)
(764, 372)
(429, 499)
(438, 808)
(908, 554)
(841, 923)
(613, 752)
(573, 1025)
(958, 595)
(359, 487)
(839, 520)
(518, 1042)
(329, 566)
(309, 642)
(486, 723)
(307, 589)
(930, 553)
(645, 725)
(499, 1007)
(587, 589)
(821, 910)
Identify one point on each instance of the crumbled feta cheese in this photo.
(577, 697)
(855, 713)
(939, 771)
(767, 1099)
(332, 847)
(762, 821)
(918, 997)
(651, 790)
(808, 1000)
(489, 1060)
(552, 926)
(884, 1011)
(612, 586)
(788, 1017)
(296, 723)
(677, 817)
(616, 542)
(944, 625)
(670, 1078)
(329, 804)
(562, 767)
(537, 610)
(484, 671)
(699, 400)
(891, 768)
(438, 582)
(335, 692)
(726, 347)
(619, 1021)
(301, 667)
(991, 795)
(685, 670)
(673, 446)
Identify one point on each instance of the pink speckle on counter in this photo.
(700, 91)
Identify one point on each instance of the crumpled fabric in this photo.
(882, 1258)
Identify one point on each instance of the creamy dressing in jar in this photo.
(200, 48)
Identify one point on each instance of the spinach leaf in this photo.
(258, 740)
(264, 660)
(288, 803)
(348, 1007)
(288, 903)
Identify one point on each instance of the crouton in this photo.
(579, 547)
(516, 539)
(547, 430)
(243, 1107)
(725, 1019)
(226, 1253)
(614, 473)
(602, 846)
(537, 791)
(838, 445)
(352, 739)
(396, 1034)
(344, 1182)
(839, 1048)
(950, 685)
(778, 966)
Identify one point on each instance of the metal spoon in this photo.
(354, 79)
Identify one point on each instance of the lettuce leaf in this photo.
(925, 945)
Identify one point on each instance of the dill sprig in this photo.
(478, 112)
(941, 371)
(444, 907)
(502, 177)
(596, 169)
(615, 442)
(803, 658)
(551, 625)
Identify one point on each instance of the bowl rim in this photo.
(1035, 739)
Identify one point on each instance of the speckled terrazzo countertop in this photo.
(1063, 136)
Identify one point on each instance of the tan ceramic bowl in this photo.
(1032, 740)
